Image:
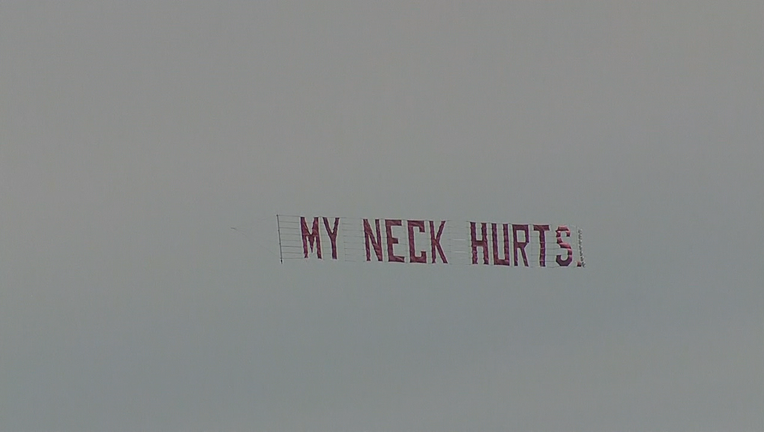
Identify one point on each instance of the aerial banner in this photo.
(429, 241)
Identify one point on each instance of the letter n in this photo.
(374, 238)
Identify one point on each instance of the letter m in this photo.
(311, 237)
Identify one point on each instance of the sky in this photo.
(134, 135)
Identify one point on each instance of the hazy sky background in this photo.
(133, 135)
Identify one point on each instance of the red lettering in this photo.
(332, 235)
(435, 242)
(311, 237)
(392, 241)
(520, 245)
(495, 240)
(422, 257)
(542, 229)
(564, 245)
(475, 243)
(376, 243)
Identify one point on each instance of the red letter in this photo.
(422, 257)
(392, 241)
(520, 245)
(483, 242)
(435, 242)
(311, 237)
(542, 229)
(494, 236)
(332, 235)
(560, 242)
(376, 243)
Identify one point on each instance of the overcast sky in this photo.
(133, 135)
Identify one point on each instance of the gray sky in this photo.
(133, 135)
